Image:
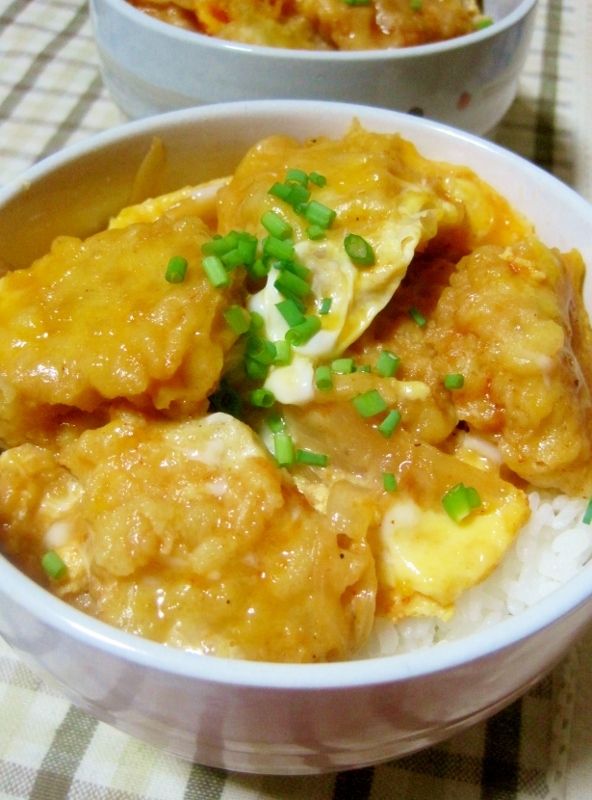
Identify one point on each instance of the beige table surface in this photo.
(51, 95)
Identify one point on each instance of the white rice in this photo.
(549, 550)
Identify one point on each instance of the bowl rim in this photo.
(158, 27)
(59, 616)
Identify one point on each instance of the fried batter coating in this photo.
(207, 569)
(96, 320)
(513, 323)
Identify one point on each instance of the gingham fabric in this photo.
(540, 748)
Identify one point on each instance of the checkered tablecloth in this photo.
(51, 95)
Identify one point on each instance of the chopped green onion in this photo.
(317, 179)
(290, 312)
(280, 190)
(283, 447)
(417, 316)
(297, 176)
(315, 232)
(278, 248)
(176, 269)
(283, 353)
(323, 378)
(318, 214)
(357, 2)
(297, 196)
(216, 272)
(256, 370)
(311, 458)
(484, 22)
(275, 225)
(343, 366)
(416, 5)
(238, 319)
(233, 258)
(275, 422)
(53, 565)
(454, 380)
(259, 268)
(262, 398)
(296, 269)
(300, 334)
(387, 364)
(363, 368)
(219, 245)
(369, 403)
(359, 250)
(257, 321)
(389, 482)
(226, 399)
(459, 501)
(325, 305)
(291, 285)
(261, 349)
(587, 518)
(389, 423)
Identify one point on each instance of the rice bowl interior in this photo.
(504, 620)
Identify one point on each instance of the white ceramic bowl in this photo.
(151, 67)
(259, 717)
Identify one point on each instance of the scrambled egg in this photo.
(203, 477)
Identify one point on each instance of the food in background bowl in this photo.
(327, 25)
(281, 717)
(253, 428)
(467, 81)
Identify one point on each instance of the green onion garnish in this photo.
(216, 272)
(311, 458)
(454, 380)
(300, 334)
(259, 268)
(283, 353)
(260, 349)
(357, 2)
(219, 245)
(176, 269)
(459, 501)
(389, 423)
(318, 214)
(257, 321)
(275, 422)
(275, 225)
(389, 482)
(278, 248)
(323, 378)
(325, 305)
(297, 176)
(484, 22)
(291, 285)
(415, 5)
(238, 319)
(343, 366)
(359, 250)
(53, 565)
(369, 403)
(297, 196)
(280, 190)
(387, 364)
(317, 179)
(297, 269)
(290, 311)
(315, 232)
(262, 398)
(256, 370)
(363, 368)
(587, 518)
(417, 316)
(283, 447)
